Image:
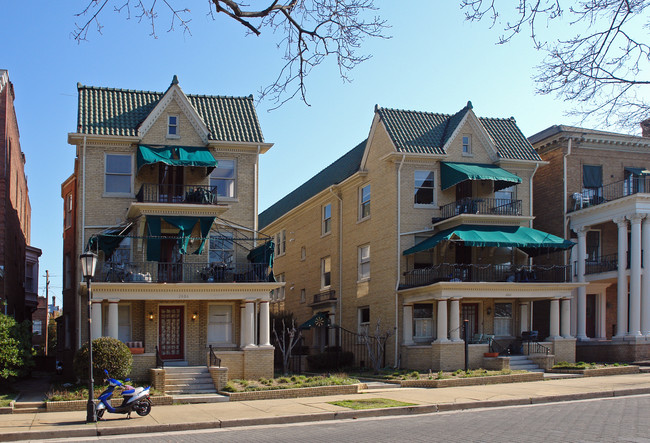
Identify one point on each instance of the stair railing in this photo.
(214, 360)
(159, 361)
(537, 348)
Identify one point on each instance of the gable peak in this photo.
(174, 80)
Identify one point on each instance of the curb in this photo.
(324, 416)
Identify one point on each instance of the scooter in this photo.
(135, 399)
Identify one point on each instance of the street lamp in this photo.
(88, 263)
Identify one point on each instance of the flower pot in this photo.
(137, 350)
(490, 354)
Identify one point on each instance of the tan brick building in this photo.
(165, 192)
(425, 224)
(594, 191)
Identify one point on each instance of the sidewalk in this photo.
(260, 412)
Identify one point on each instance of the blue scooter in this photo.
(135, 399)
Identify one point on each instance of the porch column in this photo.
(96, 318)
(249, 324)
(555, 319)
(645, 282)
(454, 320)
(242, 324)
(265, 330)
(523, 318)
(442, 322)
(582, 290)
(565, 329)
(601, 315)
(635, 274)
(332, 331)
(621, 285)
(407, 322)
(112, 323)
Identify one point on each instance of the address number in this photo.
(183, 296)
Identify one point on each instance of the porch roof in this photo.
(453, 173)
(530, 240)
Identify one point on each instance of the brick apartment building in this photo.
(164, 190)
(18, 266)
(594, 191)
(425, 224)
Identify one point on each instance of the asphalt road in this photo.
(602, 420)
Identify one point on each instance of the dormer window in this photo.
(467, 145)
(172, 126)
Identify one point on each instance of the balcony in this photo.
(450, 272)
(324, 297)
(485, 206)
(613, 191)
(190, 194)
(159, 272)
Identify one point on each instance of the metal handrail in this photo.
(495, 346)
(329, 295)
(214, 360)
(612, 191)
(160, 363)
(491, 206)
(538, 348)
(163, 193)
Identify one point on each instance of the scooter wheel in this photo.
(142, 408)
(100, 414)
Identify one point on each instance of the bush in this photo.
(108, 353)
(330, 359)
(16, 353)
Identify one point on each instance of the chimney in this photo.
(645, 128)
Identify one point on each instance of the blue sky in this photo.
(435, 61)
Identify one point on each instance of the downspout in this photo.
(257, 191)
(83, 226)
(399, 256)
(339, 299)
(565, 195)
(530, 204)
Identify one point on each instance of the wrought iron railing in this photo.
(495, 346)
(604, 263)
(491, 206)
(325, 296)
(161, 193)
(214, 360)
(161, 272)
(367, 350)
(453, 272)
(160, 363)
(612, 191)
(534, 347)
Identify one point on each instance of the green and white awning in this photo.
(320, 319)
(453, 173)
(176, 156)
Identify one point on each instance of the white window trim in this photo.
(232, 322)
(435, 192)
(361, 261)
(421, 338)
(177, 135)
(360, 216)
(303, 296)
(470, 151)
(234, 187)
(512, 318)
(323, 233)
(280, 239)
(120, 194)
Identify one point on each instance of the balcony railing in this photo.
(450, 272)
(490, 206)
(159, 272)
(613, 191)
(194, 194)
(324, 296)
(604, 263)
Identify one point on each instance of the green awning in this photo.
(185, 226)
(529, 240)
(453, 173)
(320, 319)
(109, 240)
(262, 254)
(176, 156)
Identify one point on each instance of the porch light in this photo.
(150, 315)
(88, 264)
(195, 316)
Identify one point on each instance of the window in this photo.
(592, 183)
(124, 323)
(634, 180)
(364, 262)
(220, 324)
(364, 320)
(280, 243)
(364, 202)
(222, 248)
(37, 327)
(278, 294)
(222, 178)
(29, 277)
(424, 188)
(593, 246)
(505, 194)
(303, 296)
(467, 145)
(503, 319)
(325, 272)
(423, 321)
(118, 174)
(68, 211)
(172, 125)
(327, 219)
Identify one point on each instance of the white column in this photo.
(454, 320)
(565, 329)
(96, 318)
(635, 274)
(112, 323)
(523, 317)
(601, 315)
(442, 322)
(621, 285)
(242, 325)
(265, 329)
(582, 290)
(555, 319)
(407, 325)
(249, 324)
(645, 282)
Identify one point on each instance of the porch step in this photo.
(189, 381)
(522, 362)
(29, 407)
(176, 363)
(199, 398)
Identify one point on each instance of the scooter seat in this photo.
(129, 392)
(132, 392)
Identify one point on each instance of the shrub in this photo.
(16, 353)
(108, 353)
(330, 359)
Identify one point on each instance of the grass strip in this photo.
(371, 403)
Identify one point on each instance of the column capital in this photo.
(97, 300)
(113, 300)
(580, 230)
(620, 221)
(635, 218)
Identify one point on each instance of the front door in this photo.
(542, 318)
(171, 183)
(170, 332)
(591, 316)
(469, 312)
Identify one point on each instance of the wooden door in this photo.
(591, 316)
(170, 179)
(469, 311)
(542, 318)
(171, 333)
(170, 267)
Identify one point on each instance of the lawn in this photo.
(5, 399)
(583, 365)
(402, 374)
(371, 403)
(288, 382)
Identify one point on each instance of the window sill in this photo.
(468, 154)
(172, 137)
(425, 206)
(326, 234)
(117, 195)
(220, 345)
(361, 220)
(363, 280)
(227, 199)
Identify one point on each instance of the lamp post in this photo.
(88, 263)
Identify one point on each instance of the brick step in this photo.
(28, 404)
(188, 379)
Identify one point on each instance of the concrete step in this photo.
(179, 363)
(524, 367)
(183, 380)
(199, 398)
(29, 410)
(190, 391)
(381, 385)
(28, 404)
(182, 386)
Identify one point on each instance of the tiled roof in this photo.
(110, 111)
(335, 173)
(426, 132)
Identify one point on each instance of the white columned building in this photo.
(645, 281)
(621, 276)
(442, 322)
(581, 304)
(113, 321)
(96, 318)
(635, 274)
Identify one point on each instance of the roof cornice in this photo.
(74, 138)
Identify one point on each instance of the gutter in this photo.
(398, 268)
(565, 195)
(339, 299)
(257, 191)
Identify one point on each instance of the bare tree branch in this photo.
(311, 31)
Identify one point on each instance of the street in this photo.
(600, 420)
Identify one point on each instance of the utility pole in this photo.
(47, 308)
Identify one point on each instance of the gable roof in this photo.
(427, 133)
(111, 111)
(335, 173)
